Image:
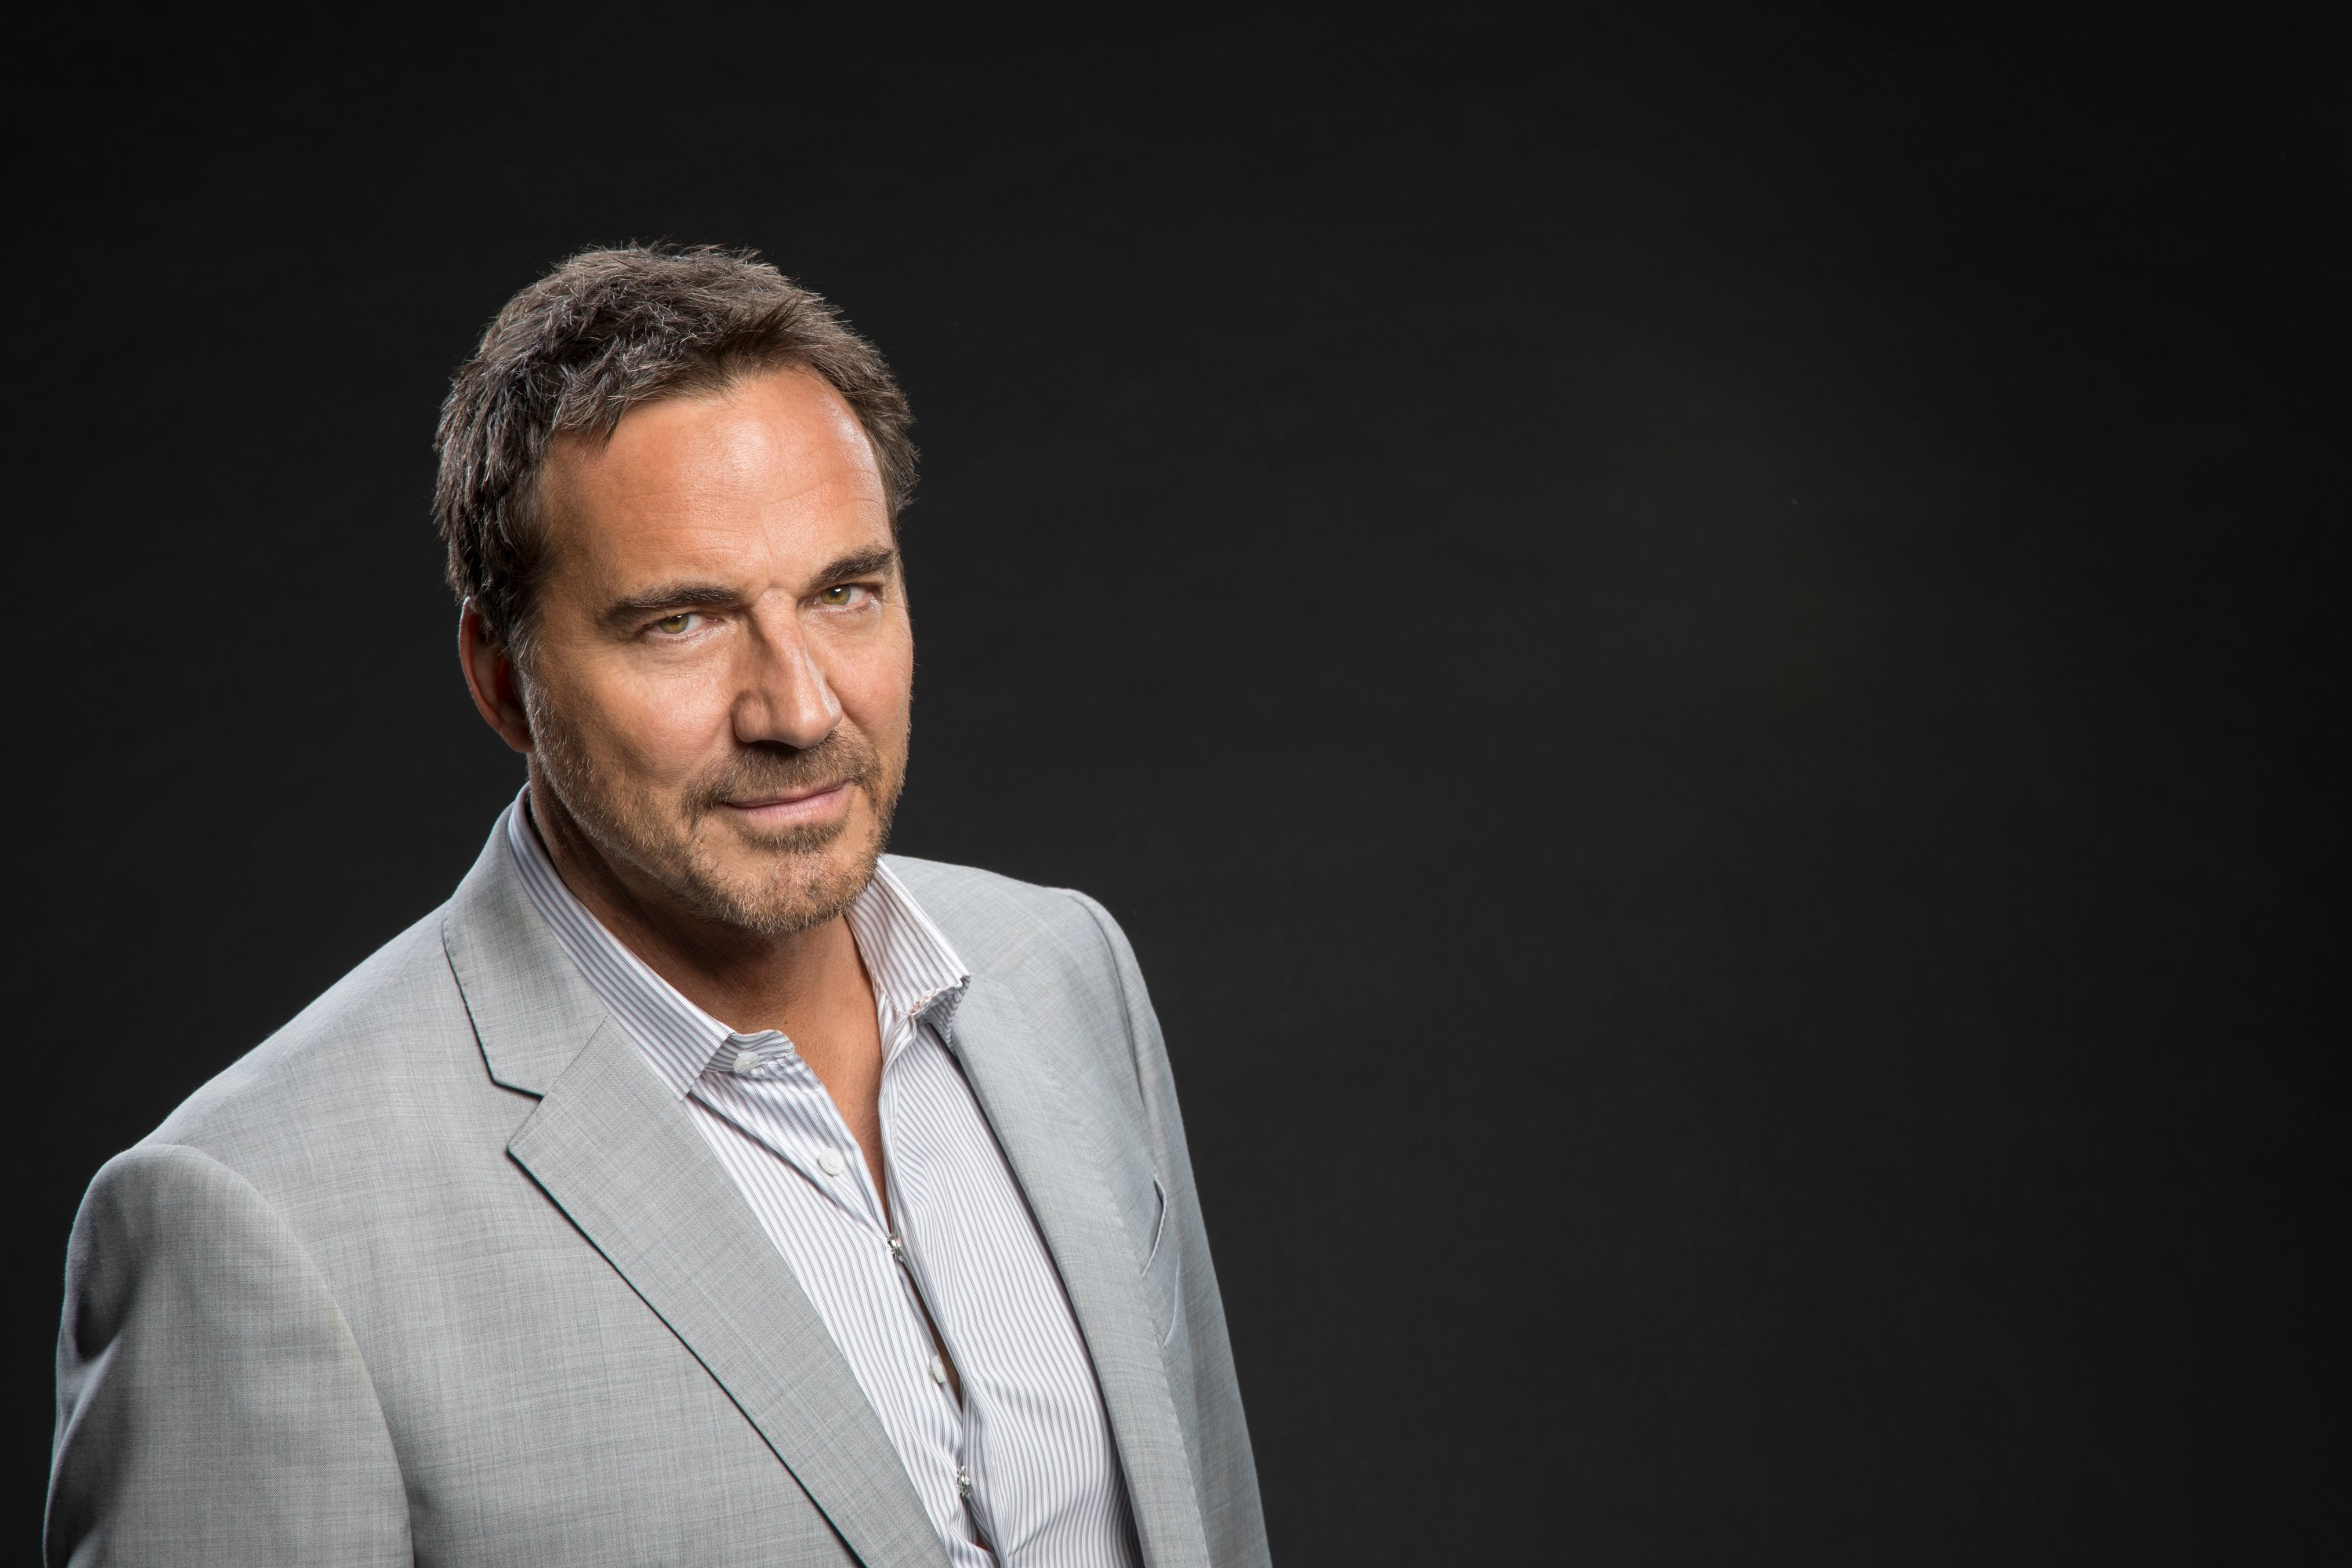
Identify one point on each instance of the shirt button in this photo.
(745, 1061)
(939, 1372)
(897, 1249)
(963, 1481)
(829, 1160)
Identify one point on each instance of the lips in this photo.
(769, 785)
(788, 797)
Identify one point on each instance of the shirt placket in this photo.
(760, 1083)
(904, 1035)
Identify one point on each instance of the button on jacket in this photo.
(443, 1273)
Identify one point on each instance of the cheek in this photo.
(657, 729)
(874, 694)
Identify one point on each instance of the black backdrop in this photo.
(1693, 650)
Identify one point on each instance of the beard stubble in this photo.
(796, 879)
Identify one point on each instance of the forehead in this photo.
(771, 472)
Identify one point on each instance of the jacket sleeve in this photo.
(1233, 1514)
(212, 1405)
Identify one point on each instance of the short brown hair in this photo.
(608, 329)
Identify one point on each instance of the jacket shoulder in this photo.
(989, 905)
(1004, 926)
(340, 1059)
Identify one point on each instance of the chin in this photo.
(779, 893)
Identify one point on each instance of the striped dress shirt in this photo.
(1022, 1470)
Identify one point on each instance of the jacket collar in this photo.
(531, 1010)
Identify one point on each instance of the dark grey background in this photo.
(1695, 650)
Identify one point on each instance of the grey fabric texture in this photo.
(441, 1273)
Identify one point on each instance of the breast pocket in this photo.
(1163, 1284)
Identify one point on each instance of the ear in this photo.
(490, 677)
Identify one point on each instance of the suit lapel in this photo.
(620, 1155)
(1053, 1138)
(612, 1146)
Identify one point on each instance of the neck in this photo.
(747, 979)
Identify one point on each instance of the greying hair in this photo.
(607, 330)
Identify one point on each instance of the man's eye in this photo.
(676, 625)
(841, 596)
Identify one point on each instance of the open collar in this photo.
(914, 969)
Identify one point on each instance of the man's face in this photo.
(722, 666)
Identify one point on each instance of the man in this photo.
(698, 1185)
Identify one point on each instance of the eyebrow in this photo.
(650, 605)
(879, 562)
(627, 612)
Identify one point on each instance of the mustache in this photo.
(841, 758)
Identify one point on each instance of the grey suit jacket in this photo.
(441, 1272)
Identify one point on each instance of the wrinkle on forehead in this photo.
(774, 464)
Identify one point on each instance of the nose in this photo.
(785, 698)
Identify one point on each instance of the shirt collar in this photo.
(915, 974)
